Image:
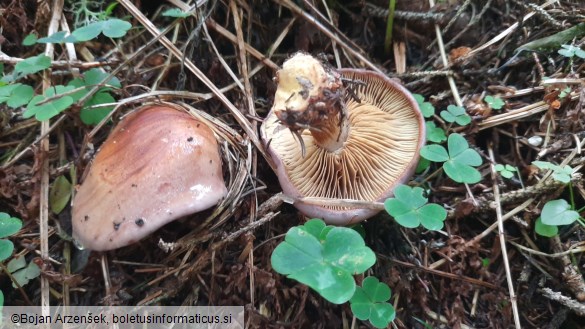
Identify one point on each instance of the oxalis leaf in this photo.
(410, 209)
(43, 109)
(558, 212)
(370, 303)
(326, 264)
(545, 230)
(459, 160)
(9, 225)
(456, 114)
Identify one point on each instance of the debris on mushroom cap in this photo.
(380, 150)
(157, 165)
(305, 90)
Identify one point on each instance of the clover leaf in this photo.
(426, 108)
(495, 103)
(21, 272)
(113, 28)
(558, 212)
(32, 65)
(410, 209)
(570, 51)
(16, 94)
(370, 303)
(434, 133)
(8, 226)
(561, 174)
(456, 114)
(459, 160)
(507, 171)
(175, 12)
(44, 107)
(324, 258)
(90, 79)
(545, 230)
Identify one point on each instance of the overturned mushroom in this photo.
(157, 165)
(352, 134)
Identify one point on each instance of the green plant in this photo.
(325, 258)
(570, 51)
(507, 171)
(435, 134)
(113, 28)
(87, 11)
(21, 272)
(456, 114)
(561, 174)
(58, 98)
(59, 194)
(175, 12)
(8, 226)
(556, 213)
(544, 229)
(458, 161)
(564, 92)
(495, 103)
(427, 109)
(410, 209)
(369, 302)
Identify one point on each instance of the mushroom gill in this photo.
(385, 133)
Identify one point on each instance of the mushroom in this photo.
(359, 134)
(157, 165)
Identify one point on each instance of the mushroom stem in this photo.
(332, 131)
(310, 96)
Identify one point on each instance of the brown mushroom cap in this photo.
(157, 165)
(386, 131)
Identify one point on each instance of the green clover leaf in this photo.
(507, 171)
(90, 79)
(426, 108)
(434, 133)
(370, 303)
(16, 94)
(558, 212)
(410, 209)
(456, 114)
(42, 109)
(545, 230)
(326, 264)
(459, 160)
(495, 103)
(561, 174)
(22, 272)
(175, 12)
(8, 226)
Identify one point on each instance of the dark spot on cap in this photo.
(116, 226)
(190, 139)
(111, 240)
(139, 222)
(134, 185)
(86, 217)
(210, 161)
(198, 125)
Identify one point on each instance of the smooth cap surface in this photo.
(157, 165)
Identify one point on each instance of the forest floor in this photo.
(510, 64)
